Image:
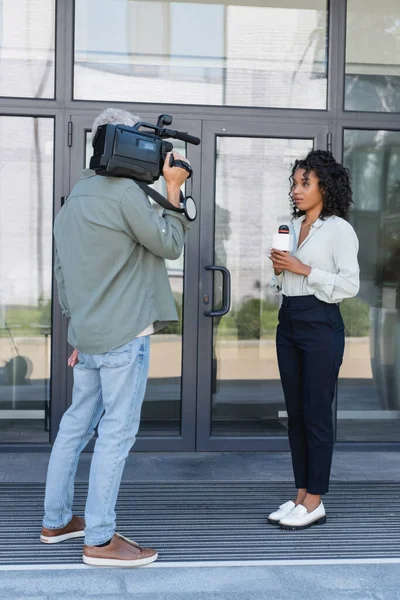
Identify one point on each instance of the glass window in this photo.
(271, 54)
(27, 31)
(247, 396)
(369, 386)
(26, 214)
(373, 56)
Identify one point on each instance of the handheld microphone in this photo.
(282, 240)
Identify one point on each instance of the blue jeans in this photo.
(113, 383)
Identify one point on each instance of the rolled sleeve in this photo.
(180, 216)
(276, 283)
(345, 283)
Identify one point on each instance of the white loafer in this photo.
(275, 517)
(300, 518)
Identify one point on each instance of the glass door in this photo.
(245, 187)
(168, 414)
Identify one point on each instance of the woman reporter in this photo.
(321, 271)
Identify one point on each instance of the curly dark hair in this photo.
(334, 183)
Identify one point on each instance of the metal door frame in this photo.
(321, 133)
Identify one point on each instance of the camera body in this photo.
(121, 151)
(136, 152)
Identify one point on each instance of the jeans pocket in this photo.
(81, 359)
(119, 356)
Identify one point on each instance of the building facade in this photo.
(261, 82)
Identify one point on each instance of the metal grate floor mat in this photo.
(208, 520)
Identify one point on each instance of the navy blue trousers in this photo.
(310, 346)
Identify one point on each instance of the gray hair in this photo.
(114, 116)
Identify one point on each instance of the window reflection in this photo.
(369, 391)
(27, 35)
(214, 53)
(26, 212)
(247, 397)
(373, 69)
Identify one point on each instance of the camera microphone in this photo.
(181, 135)
(282, 240)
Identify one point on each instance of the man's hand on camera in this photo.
(175, 177)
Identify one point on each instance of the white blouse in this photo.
(330, 249)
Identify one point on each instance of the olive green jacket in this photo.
(110, 249)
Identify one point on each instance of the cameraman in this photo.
(110, 251)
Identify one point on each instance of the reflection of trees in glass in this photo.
(355, 313)
(318, 46)
(364, 156)
(394, 195)
(373, 84)
(391, 268)
(47, 71)
(256, 318)
(373, 159)
(24, 320)
(45, 314)
(317, 41)
(388, 269)
(48, 65)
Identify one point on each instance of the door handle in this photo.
(226, 292)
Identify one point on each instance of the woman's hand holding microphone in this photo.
(284, 261)
(281, 259)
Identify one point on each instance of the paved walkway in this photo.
(211, 466)
(334, 582)
(338, 581)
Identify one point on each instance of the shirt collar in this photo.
(318, 223)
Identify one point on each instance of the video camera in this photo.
(139, 153)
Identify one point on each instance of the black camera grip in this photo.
(180, 163)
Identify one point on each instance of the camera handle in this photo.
(182, 164)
